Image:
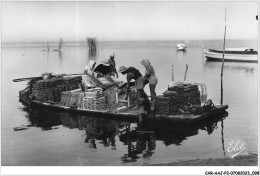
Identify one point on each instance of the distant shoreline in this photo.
(148, 42)
(80, 41)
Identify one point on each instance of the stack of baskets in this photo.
(110, 95)
(51, 89)
(176, 97)
(187, 93)
(73, 82)
(162, 105)
(94, 101)
(72, 98)
(39, 94)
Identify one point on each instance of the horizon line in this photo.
(57, 41)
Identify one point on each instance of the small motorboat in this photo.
(231, 54)
(181, 47)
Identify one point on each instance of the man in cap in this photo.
(133, 73)
(112, 66)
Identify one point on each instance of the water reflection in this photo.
(140, 138)
(244, 67)
(138, 142)
(101, 129)
(92, 54)
(181, 54)
(44, 119)
(222, 137)
(60, 58)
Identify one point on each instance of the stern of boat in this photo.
(24, 96)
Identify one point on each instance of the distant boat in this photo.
(232, 55)
(181, 47)
(47, 47)
(60, 45)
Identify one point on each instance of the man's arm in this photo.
(148, 73)
(116, 73)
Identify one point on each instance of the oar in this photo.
(38, 77)
(25, 79)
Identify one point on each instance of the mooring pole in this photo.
(172, 73)
(185, 74)
(221, 101)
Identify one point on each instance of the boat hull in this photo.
(181, 49)
(212, 56)
(186, 118)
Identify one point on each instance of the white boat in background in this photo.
(181, 47)
(231, 55)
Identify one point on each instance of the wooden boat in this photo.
(128, 113)
(181, 47)
(232, 55)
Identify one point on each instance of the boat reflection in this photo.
(143, 139)
(244, 67)
(101, 129)
(181, 54)
(140, 138)
(138, 142)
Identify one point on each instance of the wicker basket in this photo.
(92, 103)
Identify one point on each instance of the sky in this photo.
(127, 20)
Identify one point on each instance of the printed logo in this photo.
(235, 147)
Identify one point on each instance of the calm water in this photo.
(53, 138)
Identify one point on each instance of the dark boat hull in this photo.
(130, 114)
(229, 60)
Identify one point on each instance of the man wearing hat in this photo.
(133, 73)
(112, 66)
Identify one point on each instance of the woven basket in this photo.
(110, 95)
(94, 103)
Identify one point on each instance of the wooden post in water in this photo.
(221, 101)
(185, 74)
(172, 73)
(171, 82)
